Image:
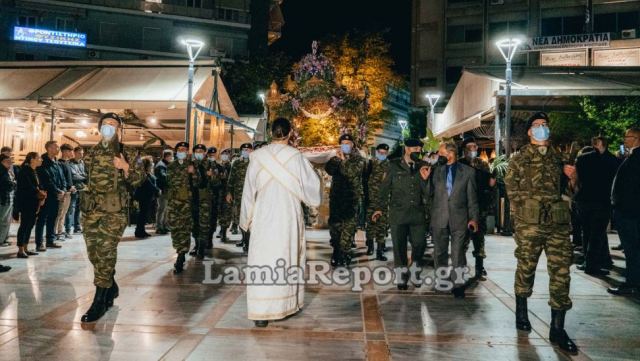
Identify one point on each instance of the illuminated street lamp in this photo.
(403, 125)
(433, 100)
(193, 49)
(265, 114)
(508, 48)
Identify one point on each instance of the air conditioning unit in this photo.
(217, 53)
(497, 2)
(628, 34)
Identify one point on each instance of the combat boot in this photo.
(223, 235)
(179, 265)
(98, 307)
(480, 271)
(380, 254)
(369, 247)
(558, 336)
(336, 258)
(404, 280)
(522, 314)
(234, 229)
(113, 292)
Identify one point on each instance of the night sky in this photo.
(308, 20)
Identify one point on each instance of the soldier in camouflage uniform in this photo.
(378, 230)
(346, 169)
(180, 179)
(216, 180)
(224, 208)
(486, 188)
(203, 197)
(536, 181)
(235, 186)
(111, 169)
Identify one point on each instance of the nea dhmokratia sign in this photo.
(571, 41)
(50, 37)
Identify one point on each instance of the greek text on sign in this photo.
(51, 37)
(597, 40)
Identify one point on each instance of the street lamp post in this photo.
(508, 48)
(193, 49)
(403, 125)
(433, 100)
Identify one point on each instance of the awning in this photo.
(474, 99)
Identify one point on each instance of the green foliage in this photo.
(568, 127)
(431, 143)
(244, 79)
(498, 167)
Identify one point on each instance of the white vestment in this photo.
(279, 179)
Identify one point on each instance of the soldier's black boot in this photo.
(98, 307)
(336, 257)
(261, 323)
(246, 239)
(558, 336)
(200, 251)
(346, 258)
(369, 247)
(480, 271)
(404, 280)
(522, 314)
(234, 229)
(113, 292)
(223, 234)
(179, 265)
(194, 251)
(380, 254)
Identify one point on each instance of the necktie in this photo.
(449, 180)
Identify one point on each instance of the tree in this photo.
(244, 79)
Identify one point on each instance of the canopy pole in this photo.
(53, 123)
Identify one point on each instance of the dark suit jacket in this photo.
(457, 210)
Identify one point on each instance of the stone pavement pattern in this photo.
(161, 316)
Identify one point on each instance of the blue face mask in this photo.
(245, 154)
(199, 156)
(181, 155)
(540, 133)
(212, 159)
(107, 131)
(345, 148)
(224, 157)
(381, 157)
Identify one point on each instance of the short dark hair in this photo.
(30, 156)
(600, 138)
(280, 128)
(77, 149)
(66, 146)
(6, 149)
(49, 143)
(4, 157)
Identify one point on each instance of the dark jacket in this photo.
(7, 185)
(455, 210)
(160, 172)
(78, 173)
(405, 193)
(52, 178)
(27, 191)
(65, 165)
(625, 195)
(595, 178)
(147, 190)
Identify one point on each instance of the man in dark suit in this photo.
(454, 210)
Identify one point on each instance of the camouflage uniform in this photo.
(179, 205)
(236, 184)
(224, 208)
(346, 196)
(379, 229)
(216, 182)
(204, 195)
(535, 184)
(105, 206)
(485, 200)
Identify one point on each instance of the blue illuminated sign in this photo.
(51, 37)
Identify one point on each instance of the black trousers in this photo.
(595, 243)
(403, 233)
(143, 214)
(47, 216)
(27, 222)
(213, 215)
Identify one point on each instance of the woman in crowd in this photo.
(29, 199)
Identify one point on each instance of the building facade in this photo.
(126, 29)
(448, 35)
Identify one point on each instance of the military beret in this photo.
(212, 150)
(411, 142)
(113, 116)
(468, 140)
(200, 147)
(182, 144)
(246, 146)
(382, 146)
(536, 116)
(345, 137)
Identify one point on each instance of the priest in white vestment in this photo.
(279, 179)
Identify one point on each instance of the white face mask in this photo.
(107, 131)
(224, 157)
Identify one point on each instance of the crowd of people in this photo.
(445, 196)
